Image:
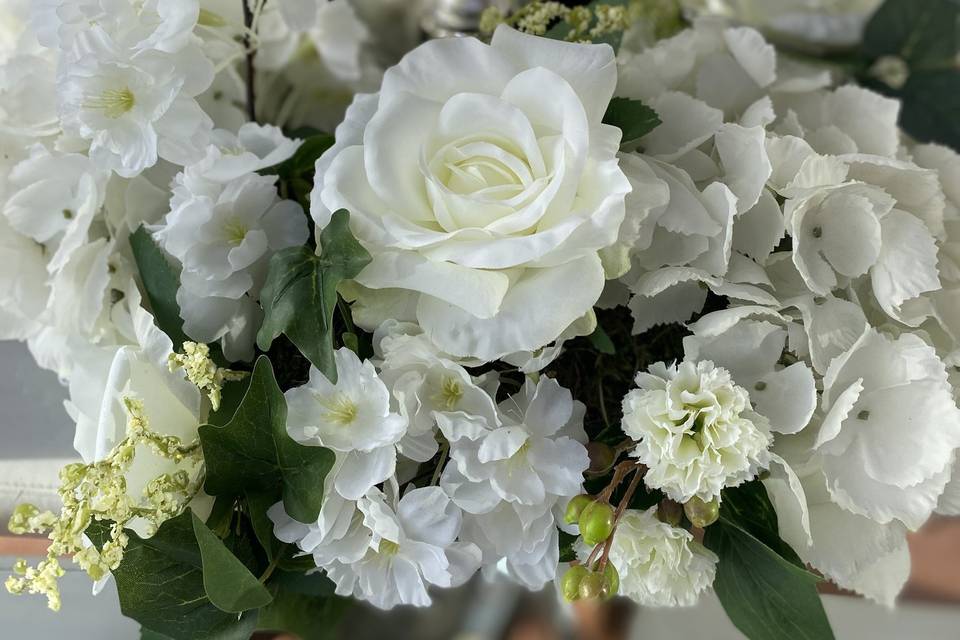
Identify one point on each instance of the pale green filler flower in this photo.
(202, 371)
(98, 491)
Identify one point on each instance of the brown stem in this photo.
(251, 53)
(624, 502)
(619, 473)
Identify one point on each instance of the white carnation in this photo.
(659, 565)
(695, 430)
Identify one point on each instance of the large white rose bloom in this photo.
(695, 429)
(483, 182)
(659, 565)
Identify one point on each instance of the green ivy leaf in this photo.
(925, 36)
(228, 583)
(765, 596)
(160, 280)
(300, 293)
(632, 117)
(160, 583)
(309, 617)
(253, 452)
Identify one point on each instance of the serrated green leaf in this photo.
(300, 292)
(254, 453)
(160, 585)
(228, 583)
(765, 596)
(309, 617)
(160, 280)
(632, 117)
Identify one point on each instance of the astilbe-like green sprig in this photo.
(98, 491)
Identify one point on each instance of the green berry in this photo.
(591, 586)
(596, 522)
(702, 514)
(575, 507)
(570, 582)
(670, 512)
(601, 457)
(611, 580)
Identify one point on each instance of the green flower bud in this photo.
(611, 580)
(575, 507)
(601, 457)
(702, 514)
(596, 522)
(570, 582)
(670, 512)
(591, 586)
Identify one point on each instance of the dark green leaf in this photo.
(310, 617)
(632, 117)
(160, 583)
(303, 160)
(312, 584)
(924, 34)
(147, 634)
(300, 292)
(749, 508)
(765, 596)
(602, 342)
(254, 453)
(567, 551)
(160, 282)
(258, 502)
(227, 582)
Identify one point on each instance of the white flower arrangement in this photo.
(615, 295)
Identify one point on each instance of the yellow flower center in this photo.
(235, 231)
(113, 102)
(388, 547)
(450, 393)
(341, 410)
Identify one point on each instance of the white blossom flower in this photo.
(886, 401)
(695, 430)
(526, 460)
(477, 204)
(133, 109)
(224, 235)
(353, 417)
(411, 545)
(659, 565)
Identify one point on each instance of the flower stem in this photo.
(444, 450)
(251, 54)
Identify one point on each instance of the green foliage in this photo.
(227, 582)
(761, 583)
(160, 282)
(160, 582)
(311, 617)
(300, 292)
(253, 452)
(602, 342)
(632, 117)
(924, 34)
(302, 162)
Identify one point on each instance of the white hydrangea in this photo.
(354, 417)
(659, 565)
(695, 430)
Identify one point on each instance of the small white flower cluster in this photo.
(835, 241)
(504, 473)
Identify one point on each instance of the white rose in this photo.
(484, 184)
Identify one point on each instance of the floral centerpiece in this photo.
(619, 297)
